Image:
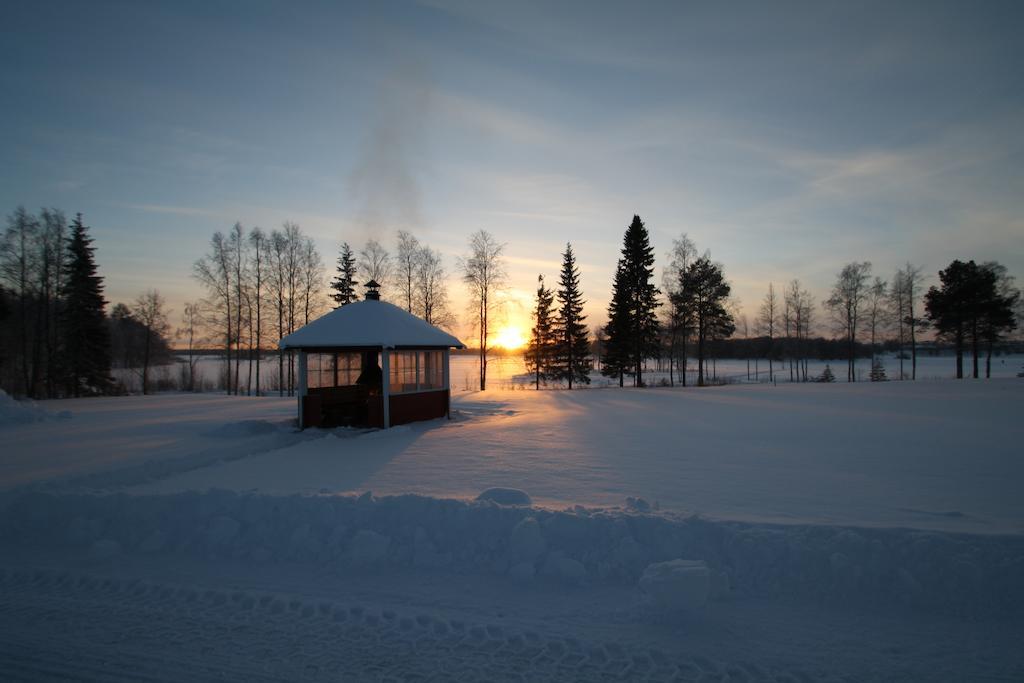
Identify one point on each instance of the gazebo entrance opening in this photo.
(344, 389)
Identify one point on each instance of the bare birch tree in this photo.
(375, 263)
(214, 273)
(876, 310)
(191, 323)
(678, 315)
(258, 277)
(767, 320)
(430, 289)
(485, 276)
(148, 311)
(913, 281)
(898, 311)
(846, 302)
(407, 258)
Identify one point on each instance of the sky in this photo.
(786, 138)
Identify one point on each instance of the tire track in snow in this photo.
(59, 625)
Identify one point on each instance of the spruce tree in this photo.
(878, 371)
(539, 350)
(827, 375)
(572, 340)
(344, 281)
(641, 298)
(615, 361)
(86, 334)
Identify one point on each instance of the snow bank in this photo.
(677, 585)
(505, 496)
(957, 574)
(15, 412)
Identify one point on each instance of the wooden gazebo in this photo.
(371, 364)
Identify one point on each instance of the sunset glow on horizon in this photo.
(510, 338)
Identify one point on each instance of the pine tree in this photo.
(877, 371)
(642, 297)
(86, 334)
(542, 340)
(572, 340)
(344, 280)
(827, 375)
(969, 307)
(703, 292)
(615, 361)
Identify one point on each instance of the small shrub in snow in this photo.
(826, 375)
(504, 496)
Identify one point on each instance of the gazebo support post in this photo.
(385, 386)
(447, 383)
(302, 388)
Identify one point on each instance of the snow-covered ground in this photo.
(934, 455)
(835, 532)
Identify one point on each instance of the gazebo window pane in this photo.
(313, 370)
(431, 374)
(349, 368)
(403, 372)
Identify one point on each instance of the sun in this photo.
(510, 338)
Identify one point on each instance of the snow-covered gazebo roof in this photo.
(369, 323)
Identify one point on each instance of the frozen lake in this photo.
(509, 371)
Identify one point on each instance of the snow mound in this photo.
(922, 571)
(15, 412)
(503, 496)
(677, 585)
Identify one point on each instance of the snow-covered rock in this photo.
(505, 496)
(527, 542)
(368, 548)
(424, 552)
(105, 548)
(153, 543)
(222, 531)
(522, 572)
(677, 585)
(637, 504)
(565, 569)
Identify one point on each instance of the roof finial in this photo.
(372, 290)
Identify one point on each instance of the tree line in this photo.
(694, 313)
(259, 286)
(413, 276)
(55, 338)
